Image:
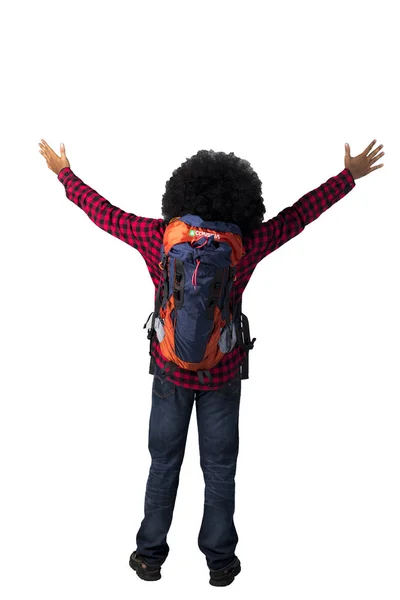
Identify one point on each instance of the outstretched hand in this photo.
(54, 162)
(361, 165)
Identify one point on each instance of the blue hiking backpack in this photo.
(194, 319)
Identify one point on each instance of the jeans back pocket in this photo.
(162, 386)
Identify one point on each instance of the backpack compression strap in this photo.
(245, 340)
(158, 303)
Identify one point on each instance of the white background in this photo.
(133, 89)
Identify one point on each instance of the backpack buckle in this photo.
(249, 345)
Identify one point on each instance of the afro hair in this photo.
(216, 187)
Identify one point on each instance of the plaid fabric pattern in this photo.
(146, 235)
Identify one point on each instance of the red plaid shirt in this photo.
(146, 235)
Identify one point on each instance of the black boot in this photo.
(143, 570)
(226, 575)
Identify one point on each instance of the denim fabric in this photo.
(217, 414)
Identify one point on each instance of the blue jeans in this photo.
(218, 429)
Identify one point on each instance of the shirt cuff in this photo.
(62, 172)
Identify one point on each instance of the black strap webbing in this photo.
(158, 303)
(179, 284)
(200, 375)
(229, 284)
(214, 293)
(244, 339)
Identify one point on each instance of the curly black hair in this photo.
(217, 187)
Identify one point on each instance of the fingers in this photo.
(43, 145)
(375, 152)
(43, 148)
(47, 148)
(369, 147)
(377, 167)
(45, 152)
(372, 160)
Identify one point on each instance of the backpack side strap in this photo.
(244, 339)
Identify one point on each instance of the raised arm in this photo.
(142, 233)
(139, 232)
(290, 221)
(272, 234)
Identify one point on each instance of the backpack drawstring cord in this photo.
(194, 276)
